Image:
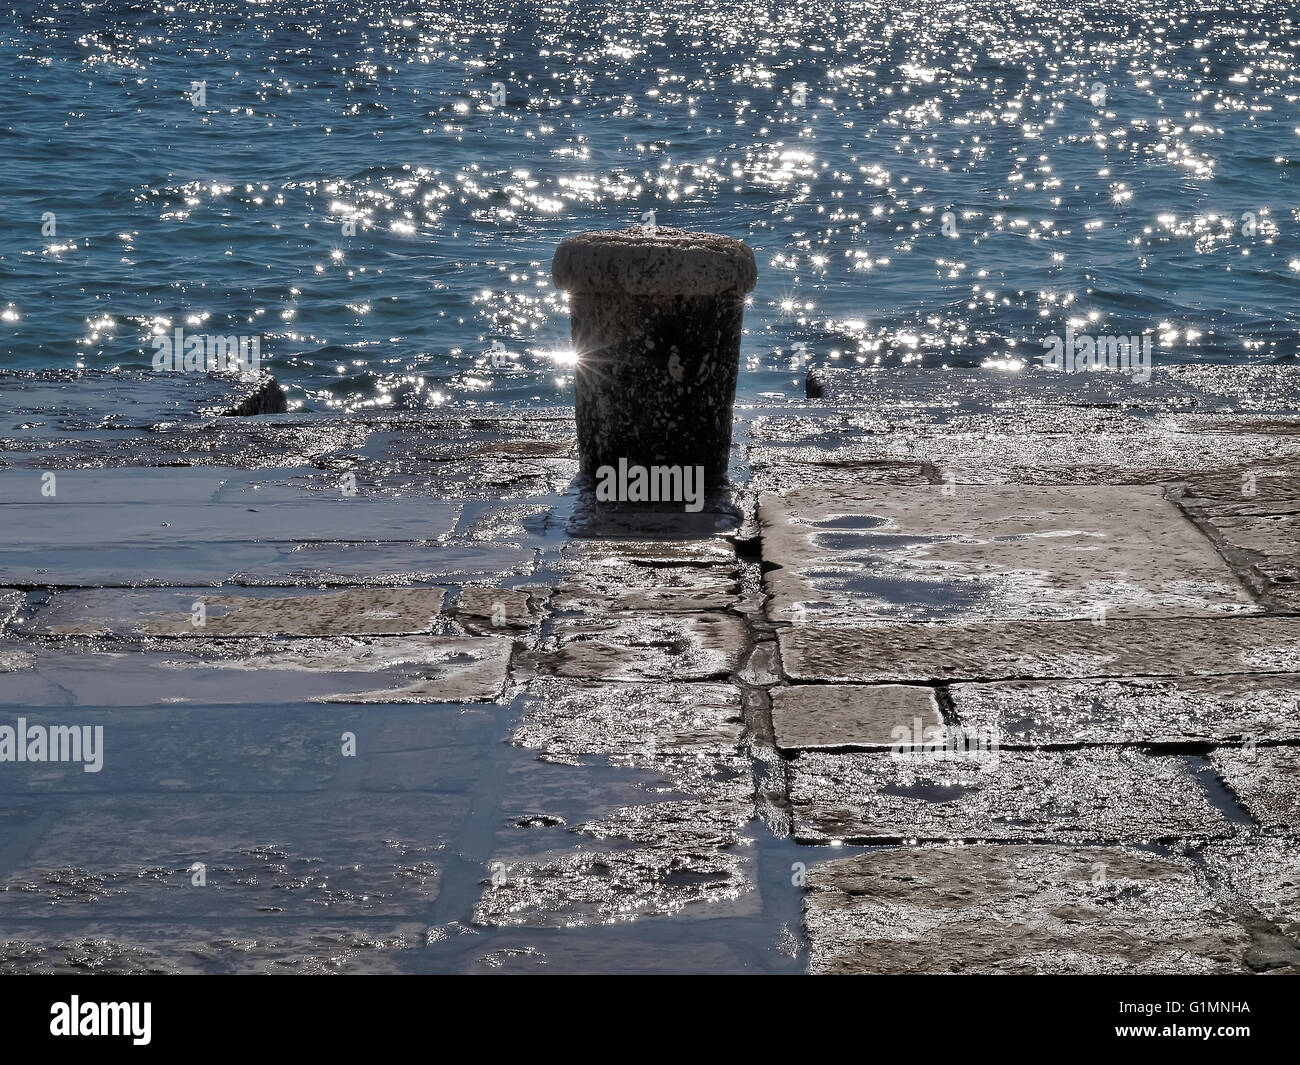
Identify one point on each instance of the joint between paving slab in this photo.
(771, 771)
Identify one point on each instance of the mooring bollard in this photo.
(656, 318)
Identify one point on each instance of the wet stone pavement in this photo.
(967, 672)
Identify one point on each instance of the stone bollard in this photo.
(656, 316)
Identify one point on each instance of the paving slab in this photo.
(271, 750)
(774, 472)
(620, 556)
(720, 514)
(484, 478)
(1094, 795)
(513, 523)
(417, 669)
(1264, 534)
(1224, 389)
(1017, 909)
(257, 551)
(238, 612)
(669, 591)
(715, 823)
(372, 564)
(269, 565)
(650, 646)
(689, 734)
(602, 576)
(144, 487)
(830, 716)
(1266, 780)
(320, 947)
(261, 444)
(78, 526)
(131, 855)
(495, 611)
(1134, 710)
(1015, 445)
(639, 949)
(1240, 490)
(1158, 647)
(980, 553)
(45, 403)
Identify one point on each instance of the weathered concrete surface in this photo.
(1267, 781)
(168, 612)
(978, 553)
(1146, 710)
(1101, 795)
(74, 526)
(663, 777)
(1162, 647)
(985, 426)
(827, 716)
(422, 669)
(676, 729)
(275, 750)
(486, 512)
(1017, 909)
(721, 514)
(880, 520)
(1000, 449)
(97, 543)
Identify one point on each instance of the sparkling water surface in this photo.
(935, 183)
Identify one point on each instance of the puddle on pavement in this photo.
(301, 844)
(1220, 797)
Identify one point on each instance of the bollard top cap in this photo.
(658, 261)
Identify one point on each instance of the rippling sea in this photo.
(376, 189)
